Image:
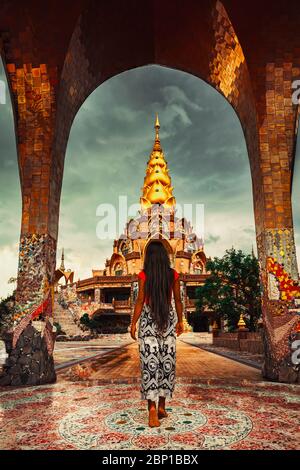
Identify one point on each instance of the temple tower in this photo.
(157, 187)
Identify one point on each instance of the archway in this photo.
(207, 158)
(203, 42)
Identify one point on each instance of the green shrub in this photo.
(58, 327)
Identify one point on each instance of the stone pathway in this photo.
(71, 352)
(218, 404)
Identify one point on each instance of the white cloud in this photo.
(234, 228)
(9, 266)
(175, 95)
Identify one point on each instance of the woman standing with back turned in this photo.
(157, 328)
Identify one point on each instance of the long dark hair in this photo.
(158, 284)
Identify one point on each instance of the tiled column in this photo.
(274, 222)
(263, 102)
(30, 344)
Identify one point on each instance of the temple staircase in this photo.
(65, 318)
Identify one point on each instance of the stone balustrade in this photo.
(251, 341)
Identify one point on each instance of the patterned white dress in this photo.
(157, 355)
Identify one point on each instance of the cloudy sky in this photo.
(108, 149)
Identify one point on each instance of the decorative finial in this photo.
(62, 264)
(157, 127)
(241, 322)
(157, 121)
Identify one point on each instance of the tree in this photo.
(232, 288)
(7, 308)
(6, 312)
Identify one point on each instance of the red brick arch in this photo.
(55, 57)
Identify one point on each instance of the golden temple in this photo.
(111, 291)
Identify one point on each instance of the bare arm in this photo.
(138, 307)
(177, 299)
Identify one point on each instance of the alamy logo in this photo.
(113, 220)
(296, 93)
(2, 92)
(296, 352)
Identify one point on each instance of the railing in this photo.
(106, 279)
(114, 305)
(105, 305)
(121, 303)
(193, 277)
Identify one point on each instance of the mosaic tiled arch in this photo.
(97, 40)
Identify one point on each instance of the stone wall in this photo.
(29, 362)
(253, 342)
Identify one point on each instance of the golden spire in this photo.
(62, 264)
(241, 322)
(157, 187)
(157, 125)
(157, 145)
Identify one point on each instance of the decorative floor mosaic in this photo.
(202, 415)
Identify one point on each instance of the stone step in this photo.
(65, 319)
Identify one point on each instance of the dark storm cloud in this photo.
(107, 152)
(113, 135)
(10, 204)
(10, 195)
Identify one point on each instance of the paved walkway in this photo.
(244, 357)
(217, 404)
(191, 362)
(69, 353)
